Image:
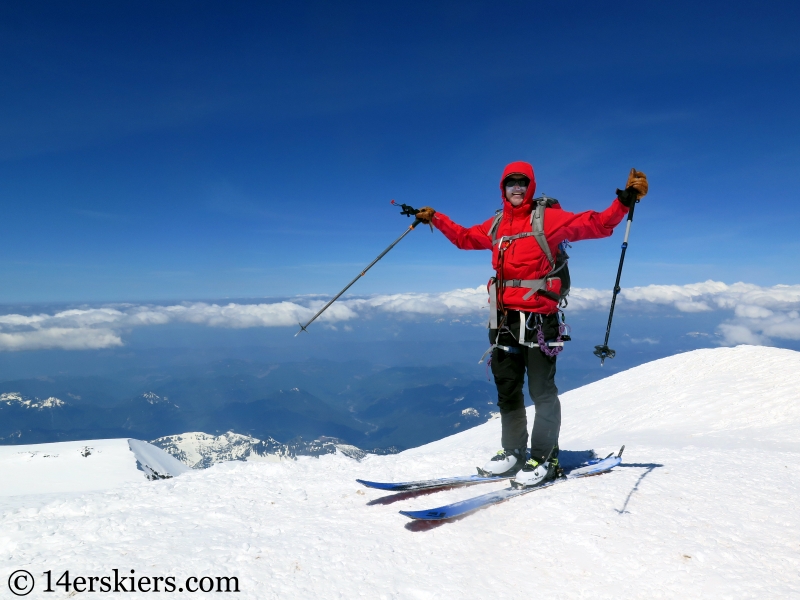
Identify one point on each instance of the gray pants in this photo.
(509, 376)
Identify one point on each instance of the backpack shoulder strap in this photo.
(498, 216)
(537, 225)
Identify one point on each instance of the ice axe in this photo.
(603, 352)
(406, 210)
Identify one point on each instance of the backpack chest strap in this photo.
(511, 238)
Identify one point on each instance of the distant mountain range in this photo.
(354, 403)
(200, 450)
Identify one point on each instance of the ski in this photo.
(430, 484)
(465, 507)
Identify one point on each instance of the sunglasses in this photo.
(512, 183)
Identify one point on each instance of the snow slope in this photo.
(81, 466)
(704, 506)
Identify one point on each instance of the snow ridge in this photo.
(156, 463)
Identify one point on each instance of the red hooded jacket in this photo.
(524, 259)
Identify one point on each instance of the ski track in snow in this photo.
(704, 505)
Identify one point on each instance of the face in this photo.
(515, 187)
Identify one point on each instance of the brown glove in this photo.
(426, 213)
(638, 181)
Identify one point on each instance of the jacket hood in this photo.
(519, 168)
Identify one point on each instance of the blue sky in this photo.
(202, 150)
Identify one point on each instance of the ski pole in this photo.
(405, 210)
(603, 352)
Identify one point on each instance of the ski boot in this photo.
(534, 473)
(503, 464)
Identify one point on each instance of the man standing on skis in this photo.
(524, 307)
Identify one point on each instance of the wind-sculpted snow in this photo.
(754, 314)
(703, 506)
(154, 462)
(80, 466)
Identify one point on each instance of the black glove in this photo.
(627, 196)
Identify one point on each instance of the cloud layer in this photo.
(753, 314)
(760, 314)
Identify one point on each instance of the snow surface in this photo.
(81, 466)
(703, 506)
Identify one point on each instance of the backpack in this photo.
(559, 264)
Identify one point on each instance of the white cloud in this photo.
(646, 340)
(588, 299)
(66, 338)
(241, 316)
(781, 325)
(691, 306)
(759, 314)
(749, 311)
(740, 334)
(674, 294)
(456, 302)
